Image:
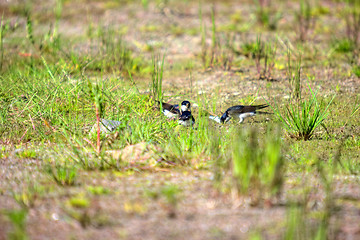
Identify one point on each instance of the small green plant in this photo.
(190, 143)
(77, 207)
(355, 108)
(204, 57)
(213, 29)
(257, 169)
(356, 70)
(3, 153)
(97, 96)
(57, 11)
(80, 211)
(300, 223)
(18, 221)
(81, 215)
(303, 116)
(259, 53)
(294, 75)
(343, 45)
(29, 27)
(220, 161)
(219, 53)
(145, 4)
(297, 226)
(180, 146)
(351, 14)
(263, 11)
(86, 161)
(27, 196)
(249, 49)
(3, 29)
(157, 78)
(268, 52)
(26, 153)
(51, 40)
(266, 16)
(304, 19)
(171, 194)
(79, 202)
(63, 175)
(114, 55)
(98, 190)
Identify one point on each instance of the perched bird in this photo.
(173, 111)
(170, 111)
(241, 112)
(186, 119)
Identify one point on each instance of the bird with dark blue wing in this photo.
(186, 119)
(174, 111)
(170, 111)
(240, 112)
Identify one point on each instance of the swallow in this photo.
(241, 112)
(186, 119)
(170, 111)
(173, 111)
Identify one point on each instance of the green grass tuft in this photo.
(64, 175)
(303, 116)
(258, 169)
(18, 221)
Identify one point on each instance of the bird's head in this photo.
(224, 118)
(185, 106)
